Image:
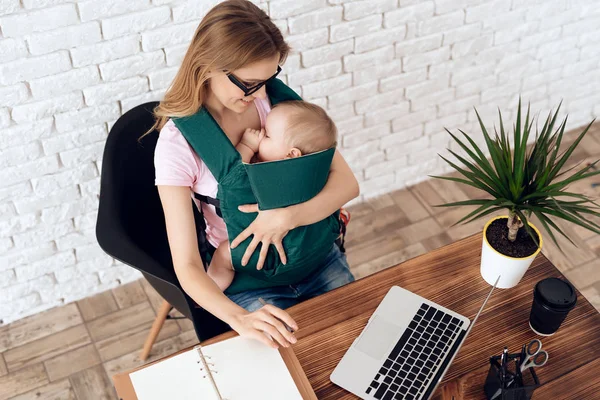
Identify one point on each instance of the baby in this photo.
(292, 129)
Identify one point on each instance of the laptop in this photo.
(404, 350)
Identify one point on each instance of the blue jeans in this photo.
(333, 274)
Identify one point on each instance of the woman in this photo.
(235, 43)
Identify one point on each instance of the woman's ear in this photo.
(294, 153)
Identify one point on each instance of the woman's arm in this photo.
(271, 226)
(183, 242)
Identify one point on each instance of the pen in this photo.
(502, 374)
(264, 303)
(503, 362)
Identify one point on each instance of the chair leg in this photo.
(161, 316)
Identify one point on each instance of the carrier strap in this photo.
(210, 200)
(210, 142)
(279, 91)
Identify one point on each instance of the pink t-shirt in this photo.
(177, 164)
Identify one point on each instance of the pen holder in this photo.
(521, 388)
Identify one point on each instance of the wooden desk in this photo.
(450, 277)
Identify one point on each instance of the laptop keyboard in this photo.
(411, 364)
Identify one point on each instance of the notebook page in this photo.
(179, 377)
(249, 370)
(245, 370)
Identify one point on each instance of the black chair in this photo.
(131, 224)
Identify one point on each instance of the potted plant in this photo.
(525, 182)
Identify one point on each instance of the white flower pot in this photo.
(494, 263)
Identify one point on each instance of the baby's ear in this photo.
(294, 152)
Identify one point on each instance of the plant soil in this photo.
(497, 237)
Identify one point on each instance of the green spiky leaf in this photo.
(529, 178)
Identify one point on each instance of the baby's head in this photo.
(294, 129)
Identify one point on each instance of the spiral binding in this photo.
(206, 367)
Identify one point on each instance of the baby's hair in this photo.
(308, 127)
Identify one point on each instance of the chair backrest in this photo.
(131, 224)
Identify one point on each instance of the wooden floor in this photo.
(71, 351)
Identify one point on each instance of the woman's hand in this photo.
(269, 227)
(267, 319)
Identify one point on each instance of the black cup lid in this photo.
(556, 293)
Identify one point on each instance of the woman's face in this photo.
(231, 96)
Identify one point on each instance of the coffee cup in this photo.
(553, 298)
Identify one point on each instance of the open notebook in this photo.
(242, 369)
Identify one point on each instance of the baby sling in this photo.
(272, 185)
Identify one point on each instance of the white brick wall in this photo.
(392, 74)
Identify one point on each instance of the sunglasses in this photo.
(249, 90)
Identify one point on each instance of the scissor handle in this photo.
(533, 347)
(537, 360)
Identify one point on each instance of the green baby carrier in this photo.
(273, 184)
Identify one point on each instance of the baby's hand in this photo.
(252, 138)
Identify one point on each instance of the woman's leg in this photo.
(334, 273)
(279, 296)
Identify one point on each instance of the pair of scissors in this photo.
(534, 355)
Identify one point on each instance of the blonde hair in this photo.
(231, 35)
(308, 127)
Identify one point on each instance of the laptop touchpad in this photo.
(378, 337)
